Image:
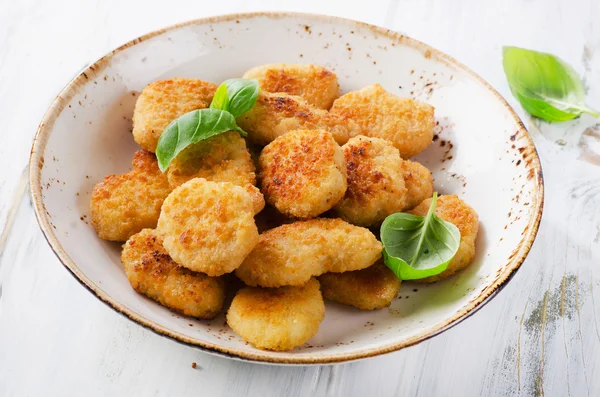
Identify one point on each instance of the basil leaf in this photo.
(191, 128)
(236, 96)
(221, 99)
(417, 247)
(546, 86)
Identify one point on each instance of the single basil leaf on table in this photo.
(236, 96)
(417, 247)
(191, 128)
(546, 86)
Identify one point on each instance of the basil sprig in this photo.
(417, 247)
(546, 86)
(233, 98)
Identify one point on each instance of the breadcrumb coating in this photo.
(316, 84)
(303, 173)
(208, 226)
(375, 181)
(277, 318)
(291, 254)
(163, 101)
(407, 123)
(122, 205)
(152, 272)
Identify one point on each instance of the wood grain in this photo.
(539, 336)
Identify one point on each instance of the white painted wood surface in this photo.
(539, 336)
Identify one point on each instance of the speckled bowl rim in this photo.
(519, 253)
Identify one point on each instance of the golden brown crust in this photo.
(375, 181)
(291, 254)
(407, 123)
(275, 114)
(222, 158)
(122, 205)
(277, 318)
(152, 272)
(418, 182)
(208, 226)
(317, 85)
(452, 209)
(162, 102)
(368, 289)
(303, 173)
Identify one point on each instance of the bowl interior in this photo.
(481, 152)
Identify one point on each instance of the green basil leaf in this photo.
(221, 98)
(546, 86)
(236, 96)
(417, 247)
(191, 128)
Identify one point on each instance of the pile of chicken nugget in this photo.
(291, 210)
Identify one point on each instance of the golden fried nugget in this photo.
(122, 205)
(152, 272)
(375, 181)
(222, 158)
(418, 182)
(317, 85)
(368, 289)
(162, 102)
(275, 114)
(460, 214)
(292, 254)
(277, 318)
(407, 123)
(303, 173)
(208, 226)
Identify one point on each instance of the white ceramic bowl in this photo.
(482, 152)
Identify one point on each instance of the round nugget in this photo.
(375, 181)
(460, 214)
(277, 318)
(407, 123)
(222, 158)
(152, 272)
(314, 83)
(162, 102)
(122, 205)
(291, 254)
(208, 226)
(303, 173)
(276, 114)
(418, 182)
(369, 289)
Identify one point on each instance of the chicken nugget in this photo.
(292, 254)
(162, 102)
(375, 181)
(368, 289)
(303, 173)
(317, 85)
(275, 114)
(418, 182)
(122, 205)
(407, 123)
(277, 318)
(460, 214)
(152, 272)
(222, 158)
(208, 226)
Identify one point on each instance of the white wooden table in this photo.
(539, 336)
